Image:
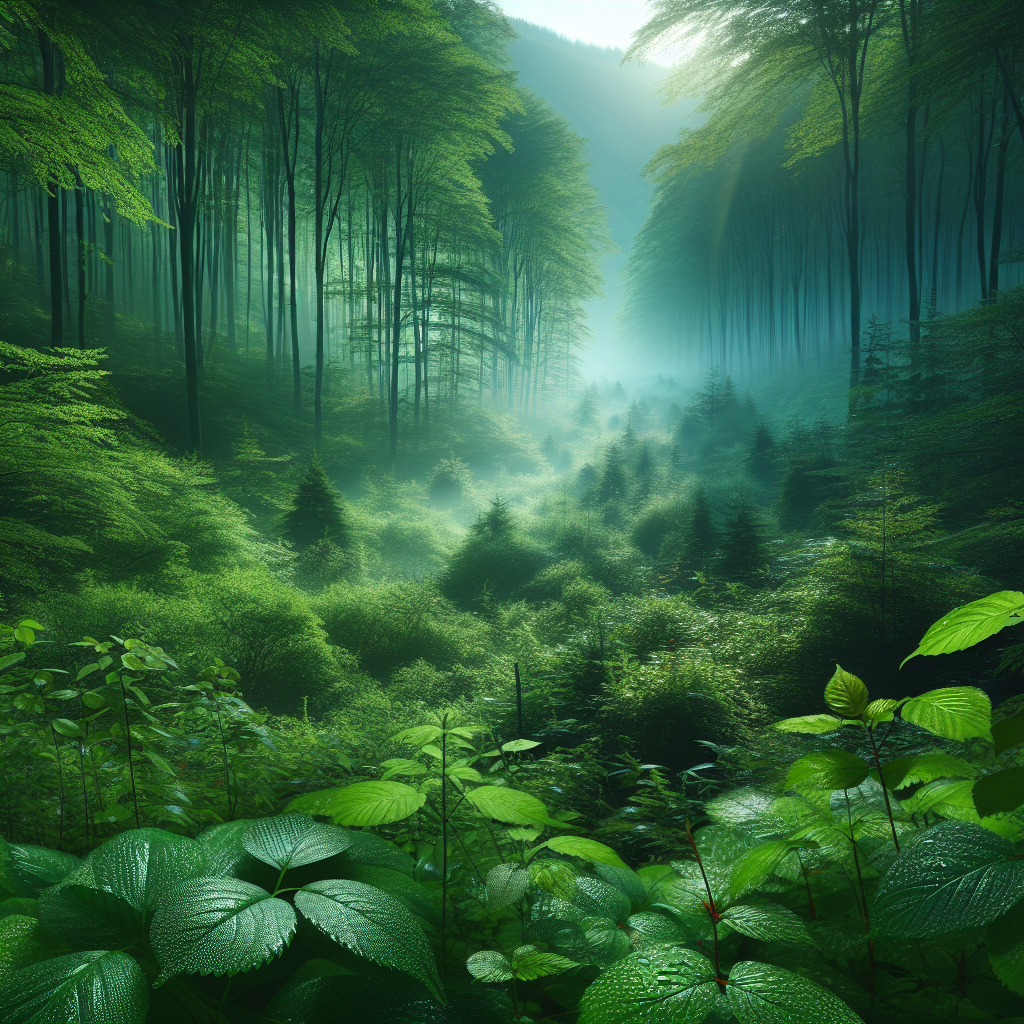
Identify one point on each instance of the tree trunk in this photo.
(49, 55)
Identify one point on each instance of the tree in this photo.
(317, 513)
(744, 553)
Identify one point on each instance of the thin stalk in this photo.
(444, 844)
(519, 699)
(60, 780)
(810, 897)
(710, 906)
(128, 740)
(885, 788)
(85, 789)
(224, 750)
(863, 899)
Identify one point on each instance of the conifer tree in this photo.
(744, 554)
(317, 513)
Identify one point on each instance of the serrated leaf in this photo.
(490, 966)
(1004, 940)
(1000, 791)
(828, 770)
(24, 940)
(816, 725)
(905, 771)
(361, 803)
(764, 994)
(585, 849)
(757, 864)
(768, 922)
(955, 875)
(596, 898)
(88, 918)
(674, 986)
(625, 879)
(511, 806)
(845, 694)
(554, 877)
(506, 885)
(292, 840)
(142, 864)
(372, 924)
(26, 870)
(971, 623)
(954, 712)
(219, 926)
(96, 987)
(881, 710)
(223, 849)
(652, 929)
(529, 963)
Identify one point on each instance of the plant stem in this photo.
(519, 699)
(85, 788)
(128, 739)
(712, 911)
(885, 788)
(444, 844)
(807, 886)
(224, 749)
(863, 898)
(60, 780)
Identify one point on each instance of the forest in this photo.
(559, 508)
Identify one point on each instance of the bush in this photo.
(448, 481)
(317, 512)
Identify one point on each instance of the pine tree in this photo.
(317, 513)
(760, 460)
(692, 549)
(744, 555)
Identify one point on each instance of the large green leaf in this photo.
(362, 803)
(955, 875)
(291, 840)
(596, 898)
(827, 769)
(905, 771)
(490, 966)
(666, 986)
(585, 849)
(1008, 733)
(626, 880)
(87, 918)
(27, 870)
(1000, 791)
(141, 864)
(954, 712)
(846, 694)
(757, 864)
(767, 921)
(224, 852)
(1004, 940)
(511, 806)
(24, 940)
(372, 924)
(815, 725)
(97, 987)
(971, 623)
(219, 926)
(506, 885)
(764, 994)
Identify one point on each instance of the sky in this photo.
(603, 22)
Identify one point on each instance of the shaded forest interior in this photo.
(388, 400)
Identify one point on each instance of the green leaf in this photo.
(971, 623)
(291, 840)
(506, 885)
(142, 864)
(24, 940)
(223, 849)
(372, 924)
(1000, 791)
(27, 870)
(955, 875)
(88, 918)
(757, 864)
(596, 898)
(653, 929)
(11, 659)
(881, 710)
(585, 849)
(97, 987)
(768, 922)
(418, 735)
(515, 746)
(827, 769)
(845, 694)
(816, 725)
(361, 803)
(25, 634)
(219, 926)
(32, 624)
(626, 880)
(511, 806)
(401, 766)
(953, 712)
(529, 963)
(1008, 733)
(490, 966)
(905, 771)
(1004, 940)
(763, 994)
(673, 986)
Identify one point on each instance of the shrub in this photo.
(449, 480)
(317, 512)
